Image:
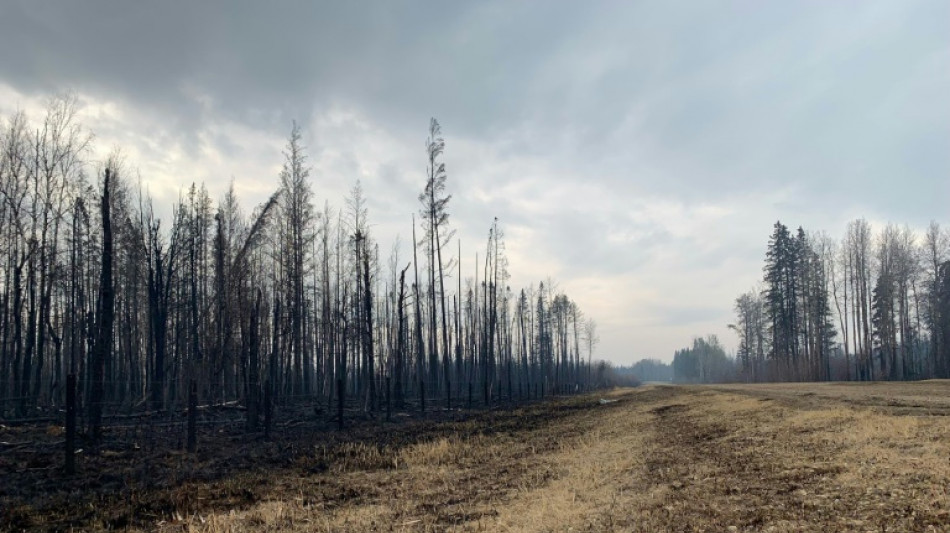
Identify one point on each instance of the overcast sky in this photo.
(636, 152)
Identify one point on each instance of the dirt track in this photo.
(804, 457)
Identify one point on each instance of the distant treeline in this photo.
(872, 306)
(648, 370)
(704, 362)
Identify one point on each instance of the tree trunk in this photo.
(103, 344)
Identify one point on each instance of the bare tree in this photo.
(592, 339)
(434, 200)
(296, 238)
(102, 350)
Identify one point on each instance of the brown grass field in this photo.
(785, 457)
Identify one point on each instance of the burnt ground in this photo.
(139, 474)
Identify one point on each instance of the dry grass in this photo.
(785, 458)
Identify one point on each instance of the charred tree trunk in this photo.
(420, 345)
(370, 370)
(253, 371)
(400, 363)
(103, 344)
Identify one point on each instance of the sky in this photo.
(637, 153)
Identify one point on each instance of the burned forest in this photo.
(113, 316)
(348, 267)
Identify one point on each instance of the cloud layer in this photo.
(636, 152)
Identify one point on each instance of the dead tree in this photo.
(434, 201)
(105, 317)
(253, 368)
(399, 362)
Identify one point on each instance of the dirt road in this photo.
(811, 457)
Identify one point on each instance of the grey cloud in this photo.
(686, 315)
(715, 98)
(814, 111)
